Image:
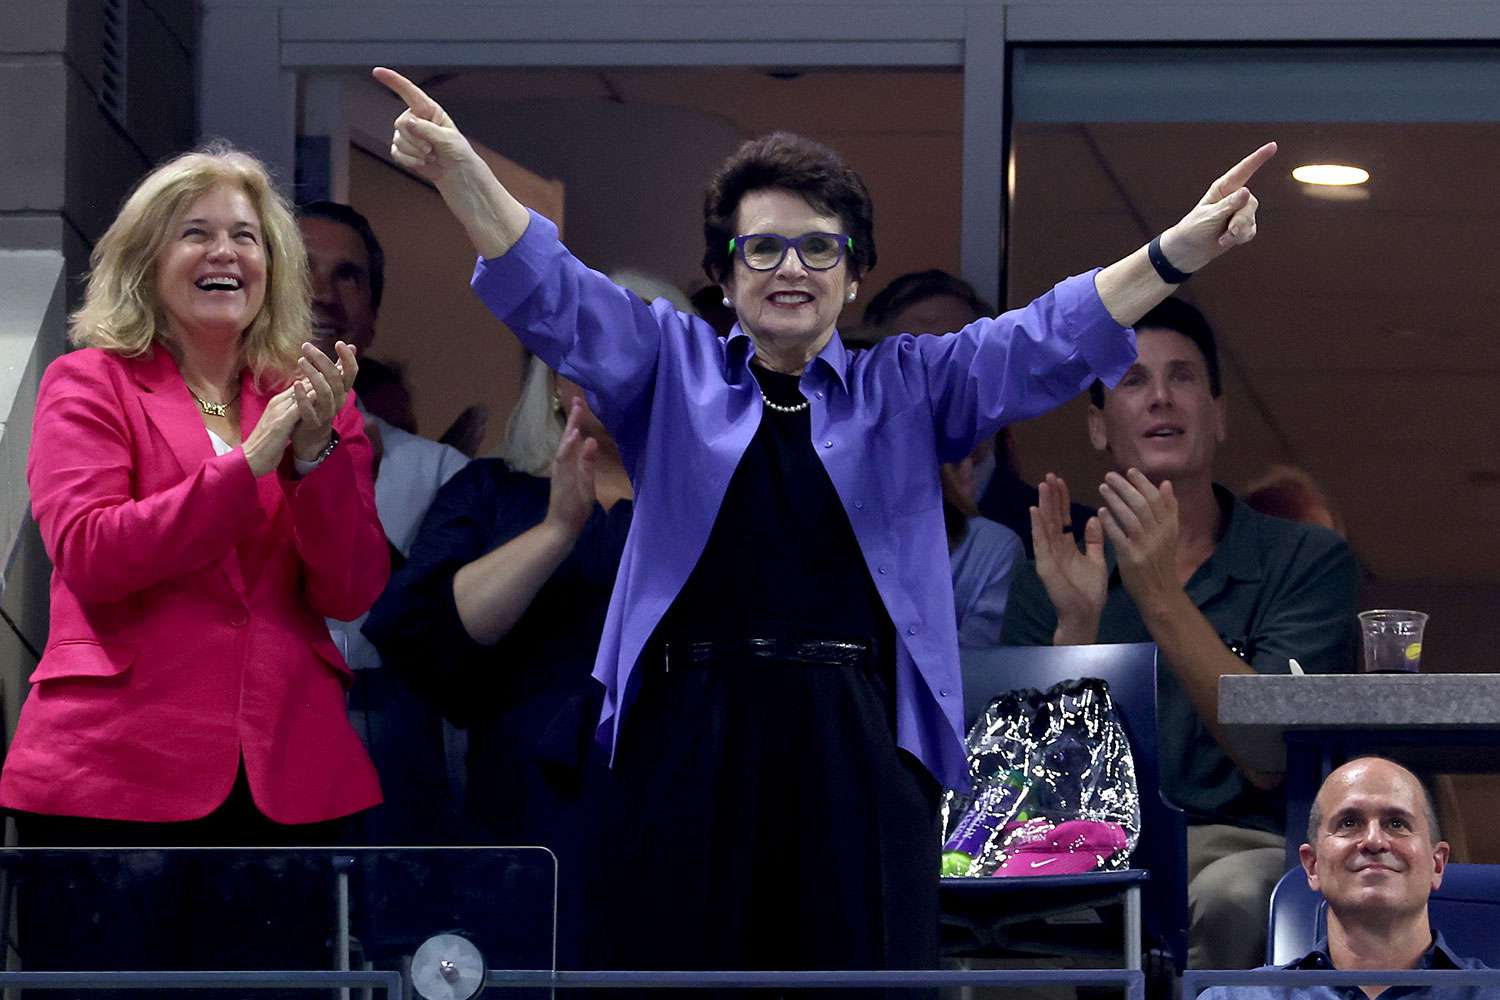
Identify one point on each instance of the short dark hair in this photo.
(787, 162)
(918, 286)
(1179, 317)
(1429, 808)
(375, 374)
(335, 212)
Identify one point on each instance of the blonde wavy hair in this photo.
(120, 312)
(536, 425)
(535, 428)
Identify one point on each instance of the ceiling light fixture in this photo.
(1330, 174)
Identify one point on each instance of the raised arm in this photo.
(1224, 218)
(427, 143)
(575, 319)
(493, 592)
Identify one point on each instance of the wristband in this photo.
(1164, 268)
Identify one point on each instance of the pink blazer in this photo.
(188, 600)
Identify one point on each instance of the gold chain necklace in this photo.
(211, 409)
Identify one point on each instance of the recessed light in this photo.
(1330, 174)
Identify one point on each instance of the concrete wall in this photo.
(64, 168)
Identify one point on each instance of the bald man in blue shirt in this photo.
(1375, 852)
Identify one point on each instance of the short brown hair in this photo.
(120, 312)
(1178, 317)
(908, 289)
(786, 162)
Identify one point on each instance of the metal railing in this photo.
(388, 982)
(1196, 981)
(1131, 981)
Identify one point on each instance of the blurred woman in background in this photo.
(497, 614)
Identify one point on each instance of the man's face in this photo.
(934, 314)
(1162, 418)
(340, 267)
(1374, 855)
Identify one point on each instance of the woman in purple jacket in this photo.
(779, 659)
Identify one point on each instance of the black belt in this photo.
(828, 652)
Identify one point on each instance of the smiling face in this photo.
(1162, 418)
(211, 274)
(1374, 853)
(789, 305)
(338, 262)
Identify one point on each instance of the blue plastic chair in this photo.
(1466, 909)
(1159, 865)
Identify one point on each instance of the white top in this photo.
(222, 447)
(412, 470)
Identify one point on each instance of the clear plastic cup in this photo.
(1393, 640)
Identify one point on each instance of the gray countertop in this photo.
(1256, 709)
(1360, 700)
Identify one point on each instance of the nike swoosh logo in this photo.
(1038, 864)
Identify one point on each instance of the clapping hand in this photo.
(571, 498)
(1076, 580)
(267, 442)
(319, 394)
(1223, 218)
(1141, 522)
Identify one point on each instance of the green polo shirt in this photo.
(1274, 590)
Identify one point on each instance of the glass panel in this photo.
(253, 908)
(1354, 330)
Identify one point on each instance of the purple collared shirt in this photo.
(682, 405)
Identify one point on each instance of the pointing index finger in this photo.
(1237, 175)
(415, 97)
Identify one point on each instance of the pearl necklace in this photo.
(784, 407)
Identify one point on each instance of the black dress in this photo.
(767, 819)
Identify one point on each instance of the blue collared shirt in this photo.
(682, 405)
(1437, 956)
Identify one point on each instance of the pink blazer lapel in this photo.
(170, 408)
(252, 406)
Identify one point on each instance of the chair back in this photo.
(1130, 671)
(1466, 909)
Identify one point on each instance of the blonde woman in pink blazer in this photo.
(203, 486)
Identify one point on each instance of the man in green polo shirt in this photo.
(1175, 559)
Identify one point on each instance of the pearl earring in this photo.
(727, 303)
(852, 293)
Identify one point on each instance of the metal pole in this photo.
(1133, 927)
(341, 865)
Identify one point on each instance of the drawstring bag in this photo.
(1054, 787)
